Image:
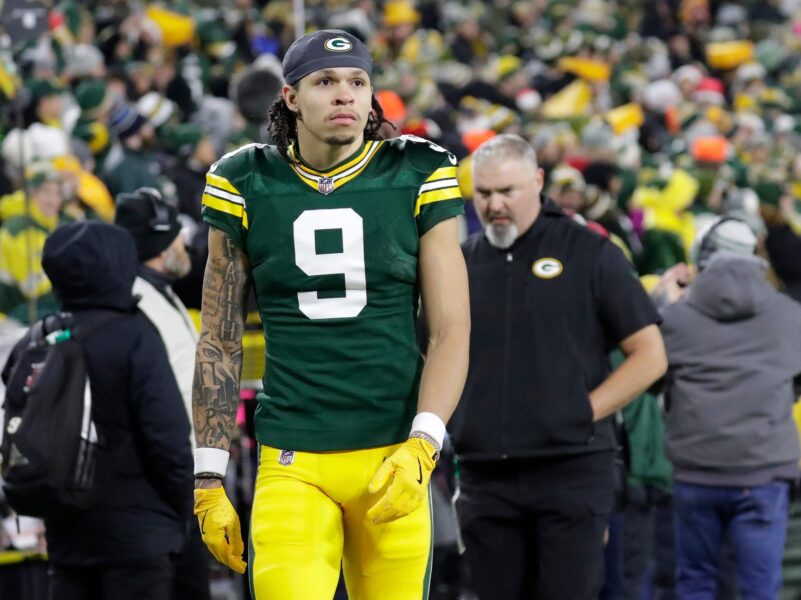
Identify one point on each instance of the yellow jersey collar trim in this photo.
(336, 169)
(332, 180)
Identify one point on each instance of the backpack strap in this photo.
(37, 334)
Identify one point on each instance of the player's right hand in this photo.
(219, 526)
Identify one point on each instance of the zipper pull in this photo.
(56, 337)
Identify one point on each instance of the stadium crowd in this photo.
(649, 119)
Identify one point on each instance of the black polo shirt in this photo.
(545, 315)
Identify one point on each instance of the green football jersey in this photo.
(334, 266)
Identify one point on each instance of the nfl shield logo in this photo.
(325, 185)
(287, 457)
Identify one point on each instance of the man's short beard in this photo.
(177, 265)
(501, 236)
(340, 140)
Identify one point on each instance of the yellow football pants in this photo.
(309, 518)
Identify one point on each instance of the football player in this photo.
(339, 233)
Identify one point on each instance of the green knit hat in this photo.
(92, 95)
(181, 140)
(769, 192)
(41, 88)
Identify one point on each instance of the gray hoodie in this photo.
(734, 347)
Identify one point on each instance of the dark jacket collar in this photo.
(549, 207)
(158, 280)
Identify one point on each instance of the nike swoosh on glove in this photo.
(219, 527)
(405, 475)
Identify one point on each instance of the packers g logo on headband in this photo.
(547, 268)
(338, 44)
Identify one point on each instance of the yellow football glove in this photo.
(407, 472)
(219, 526)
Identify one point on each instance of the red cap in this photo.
(710, 84)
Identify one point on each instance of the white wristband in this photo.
(211, 460)
(431, 425)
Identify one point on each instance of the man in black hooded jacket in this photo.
(549, 299)
(123, 547)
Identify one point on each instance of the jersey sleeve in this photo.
(439, 197)
(224, 204)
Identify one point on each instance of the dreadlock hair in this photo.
(283, 124)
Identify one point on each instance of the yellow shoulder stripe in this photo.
(222, 183)
(436, 196)
(236, 210)
(442, 173)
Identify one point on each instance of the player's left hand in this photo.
(219, 527)
(405, 476)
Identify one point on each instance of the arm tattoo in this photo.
(218, 360)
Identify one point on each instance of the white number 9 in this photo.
(349, 262)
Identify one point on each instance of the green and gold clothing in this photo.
(22, 239)
(334, 257)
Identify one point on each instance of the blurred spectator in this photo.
(136, 166)
(640, 554)
(95, 102)
(532, 432)
(84, 61)
(157, 109)
(22, 238)
(37, 143)
(783, 243)
(734, 348)
(194, 152)
(46, 104)
(468, 44)
(163, 260)
(123, 546)
(399, 21)
(568, 188)
(641, 548)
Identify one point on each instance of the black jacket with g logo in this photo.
(545, 313)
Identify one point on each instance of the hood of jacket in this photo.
(731, 288)
(91, 265)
